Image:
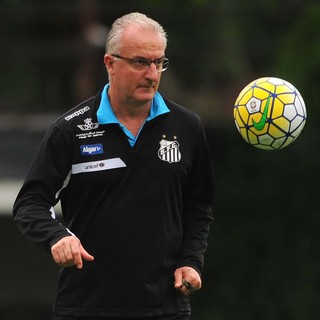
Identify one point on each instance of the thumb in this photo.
(178, 279)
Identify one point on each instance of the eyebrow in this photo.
(140, 57)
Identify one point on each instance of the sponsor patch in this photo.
(100, 165)
(77, 113)
(88, 125)
(90, 134)
(91, 149)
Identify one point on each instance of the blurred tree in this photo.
(298, 55)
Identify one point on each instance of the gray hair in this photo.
(113, 43)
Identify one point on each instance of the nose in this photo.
(152, 74)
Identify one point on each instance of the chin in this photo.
(147, 96)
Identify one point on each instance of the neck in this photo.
(131, 112)
(131, 115)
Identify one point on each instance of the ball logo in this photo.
(260, 124)
(253, 106)
(169, 151)
(88, 125)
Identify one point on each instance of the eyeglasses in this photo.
(161, 64)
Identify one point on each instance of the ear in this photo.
(109, 63)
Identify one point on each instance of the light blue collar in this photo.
(106, 115)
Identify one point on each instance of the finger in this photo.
(81, 254)
(65, 256)
(178, 279)
(55, 256)
(58, 254)
(76, 255)
(85, 255)
(61, 259)
(183, 290)
(70, 251)
(188, 285)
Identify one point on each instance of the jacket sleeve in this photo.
(33, 209)
(197, 202)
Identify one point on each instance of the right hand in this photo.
(69, 251)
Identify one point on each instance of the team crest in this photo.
(88, 125)
(169, 151)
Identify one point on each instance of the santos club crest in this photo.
(169, 151)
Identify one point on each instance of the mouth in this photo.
(147, 88)
(148, 85)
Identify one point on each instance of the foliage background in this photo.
(263, 258)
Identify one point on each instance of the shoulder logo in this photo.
(169, 150)
(77, 113)
(91, 149)
(88, 125)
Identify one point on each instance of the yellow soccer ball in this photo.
(269, 113)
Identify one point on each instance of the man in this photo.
(133, 174)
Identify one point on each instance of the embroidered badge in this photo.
(169, 151)
(88, 125)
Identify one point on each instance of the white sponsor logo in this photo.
(77, 113)
(90, 134)
(91, 149)
(100, 165)
(88, 125)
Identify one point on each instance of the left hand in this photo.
(187, 280)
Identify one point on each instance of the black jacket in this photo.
(141, 212)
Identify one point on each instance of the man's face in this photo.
(131, 85)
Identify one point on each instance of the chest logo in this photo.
(169, 151)
(91, 149)
(88, 125)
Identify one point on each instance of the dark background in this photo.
(263, 258)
